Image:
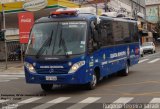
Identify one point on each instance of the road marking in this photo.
(153, 61)
(5, 73)
(4, 80)
(122, 101)
(154, 101)
(84, 103)
(151, 55)
(2, 101)
(29, 100)
(51, 103)
(12, 76)
(141, 61)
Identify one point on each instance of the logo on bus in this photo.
(137, 51)
(51, 71)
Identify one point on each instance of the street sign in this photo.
(26, 21)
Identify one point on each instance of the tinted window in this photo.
(135, 36)
(106, 33)
(121, 32)
(118, 32)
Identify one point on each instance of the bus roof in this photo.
(81, 17)
(117, 19)
(86, 17)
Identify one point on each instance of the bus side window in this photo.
(126, 33)
(134, 32)
(136, 35)
(121, 32)
(106, 33)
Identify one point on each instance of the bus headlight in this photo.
(29, 67)
(76, 66)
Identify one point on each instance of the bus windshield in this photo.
(57, 38)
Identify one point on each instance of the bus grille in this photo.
(51, 71)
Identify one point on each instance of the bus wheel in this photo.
(47, 87)
(91, 85)
(125, 71)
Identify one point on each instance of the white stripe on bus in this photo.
(117, 60)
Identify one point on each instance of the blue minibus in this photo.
(69, 48)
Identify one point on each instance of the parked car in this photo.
(148, 47)
(141, 51)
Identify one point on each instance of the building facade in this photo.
(153, 10)
(130, 7)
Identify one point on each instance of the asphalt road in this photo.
(141, 87)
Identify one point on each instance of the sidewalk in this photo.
(14, 67)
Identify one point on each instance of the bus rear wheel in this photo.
(91, 85)
(125, 71)
(47, 87)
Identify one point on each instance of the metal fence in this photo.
(13, 51)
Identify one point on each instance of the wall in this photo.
(152, 10)
(152, 13)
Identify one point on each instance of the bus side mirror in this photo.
(95, 36)
(94, 28)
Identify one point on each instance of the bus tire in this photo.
(92, 84)
(47, 87)
(125, 71)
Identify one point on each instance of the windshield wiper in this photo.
(62, 42)
(47, 42)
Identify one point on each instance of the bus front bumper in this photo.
(34, 78)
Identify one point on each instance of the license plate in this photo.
(51, 78)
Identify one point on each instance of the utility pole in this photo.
(80, 3)
(105, 5)
(96, 7)
(5, 41)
